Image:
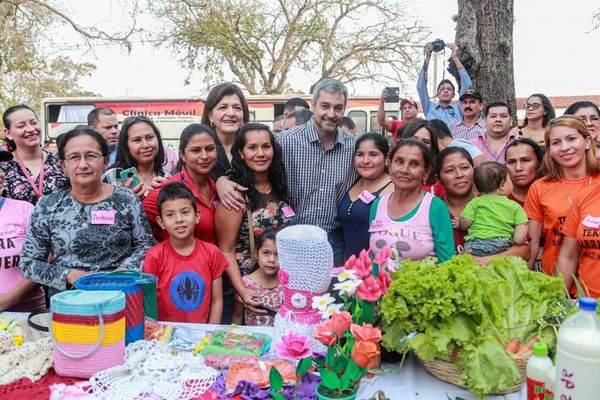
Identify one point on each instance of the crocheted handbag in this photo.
(305, 261)
(87, 331)
(148, 283)
(134, 299)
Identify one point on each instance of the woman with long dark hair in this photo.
(538, 112)
(258, 165)
(370, 155)
(140, 146)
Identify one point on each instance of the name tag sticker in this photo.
(366, 196)
(288, 212)
(376, 225)
(591, 222)
(103, 217)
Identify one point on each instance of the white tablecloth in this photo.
(411, 382)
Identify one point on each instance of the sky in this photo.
(555, 50)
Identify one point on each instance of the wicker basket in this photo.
(447, 371)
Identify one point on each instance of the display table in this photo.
(411, 382)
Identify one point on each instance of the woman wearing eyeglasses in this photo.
(589, 113)
(140, 147)
(89, 227)
(538, 112)
(32, 172)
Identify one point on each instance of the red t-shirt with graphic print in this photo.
(185, 282)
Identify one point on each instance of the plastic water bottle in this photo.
(578, 355)
(549, 383)
(537, 368)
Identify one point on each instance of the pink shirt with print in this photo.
(14, 217)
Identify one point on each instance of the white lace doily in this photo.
(30, 360)
(152, 372)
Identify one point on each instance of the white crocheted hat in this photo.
(305, 261)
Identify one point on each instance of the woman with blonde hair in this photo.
(571, 167)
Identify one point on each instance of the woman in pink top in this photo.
(414, 222)
(16, 293)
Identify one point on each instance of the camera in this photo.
(438, 45)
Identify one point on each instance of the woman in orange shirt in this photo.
(580, 252)
(572, 167)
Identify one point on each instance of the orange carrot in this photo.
(512, 346)
(525, 348)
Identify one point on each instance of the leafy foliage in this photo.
(262, 43)
(458, 305)
(28, 70)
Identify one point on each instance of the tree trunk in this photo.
(484, 32)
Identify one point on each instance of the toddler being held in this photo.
(494, 222)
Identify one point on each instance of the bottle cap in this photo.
(540, 349)
(587, 304)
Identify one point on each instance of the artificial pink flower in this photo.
(293, 346)
(385, 280)
(363, 268)
(349, 264)
(324, 334)
(369, 290)
(283, 277)
(340, 322)
(335, 271)
(383, 256)
(364, 254)
(366, 333)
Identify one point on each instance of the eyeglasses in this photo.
(90, 158)
(592, 120)
(532, 106)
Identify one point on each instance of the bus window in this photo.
(69, 113)
(360, 119)
(375, 127)
(391, 115)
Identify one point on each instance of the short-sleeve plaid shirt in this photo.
(317, 179)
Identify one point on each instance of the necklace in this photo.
(562, 182)
(83, 218)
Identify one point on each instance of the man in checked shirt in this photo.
(318, 163)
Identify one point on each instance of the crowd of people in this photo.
(204, 219)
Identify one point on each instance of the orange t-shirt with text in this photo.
(548, 202)
(583, 224)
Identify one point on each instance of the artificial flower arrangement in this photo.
(351, 348)
(349, 332)
(361, 285)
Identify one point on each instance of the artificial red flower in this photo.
(340, 323)
(366, 333)
(385, 280)
(363, 353)
(369, 290)
(349, 264)
(383, 256)
(324, 334)
(363, 267)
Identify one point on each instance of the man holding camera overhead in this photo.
(444, 110)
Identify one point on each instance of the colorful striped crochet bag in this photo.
(87, 331)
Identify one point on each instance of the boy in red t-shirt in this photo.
(188, 270)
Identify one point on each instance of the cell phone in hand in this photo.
(393, 95)
(130, 173)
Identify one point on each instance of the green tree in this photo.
(27, 72)
(262, 43)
